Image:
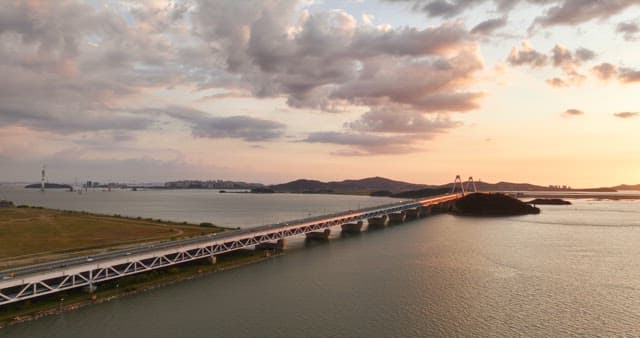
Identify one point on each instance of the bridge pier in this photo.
(441, 208)
(279, 245)
(352, 227)
(425, 211)
(378, 222)
(91, 288)
(319, 235)
(414, 213)
(212, 260)
(397, 217)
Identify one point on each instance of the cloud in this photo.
(604, 71)
(70, 67)
(559, 12)
(557, 82)
(385, 131)
(570, 63)
(243, 127)
(525, 55)
(401, 121)
(74, 68)
(629, 30)
(629, 75)
(573, 112)
(489, 26)
(574, 12)
(363, 143)
(626, 115)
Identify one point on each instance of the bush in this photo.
(206, 225)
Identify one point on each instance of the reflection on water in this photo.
(567, 271)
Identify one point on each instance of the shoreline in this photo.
(108, 294)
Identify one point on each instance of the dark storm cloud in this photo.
(629, 30)
(626, 115)
(243, 127)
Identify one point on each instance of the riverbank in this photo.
(125, 287)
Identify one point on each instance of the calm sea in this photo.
(569, 271)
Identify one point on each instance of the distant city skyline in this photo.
(543, 92)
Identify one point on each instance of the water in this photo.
(569, 271)
(194, 206)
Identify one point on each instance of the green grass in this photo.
(33, 235)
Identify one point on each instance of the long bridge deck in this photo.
(55, 276)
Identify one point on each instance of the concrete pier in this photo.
(212, 260)
(442, 208)
(279, 245)
(414, 213)
(397, 217)
(319, 235)
(352, 227)
(425, 211)
(377, 222)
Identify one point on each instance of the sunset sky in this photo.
(539, 91)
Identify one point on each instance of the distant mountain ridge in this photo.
(627, 187)
(381, 186)
(363, 186)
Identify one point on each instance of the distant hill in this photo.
(627, 187)
(361, 186)
(380, 186)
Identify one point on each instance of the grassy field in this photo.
(33, 235)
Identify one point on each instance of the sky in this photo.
(538, 91)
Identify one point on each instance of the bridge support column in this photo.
(397, 217)
(352, 227)
(442, 208)
(425, 211)
(279, 245)
(378, 222)
(91, 288)
(212, 260)
(414, 213)
(319, 235)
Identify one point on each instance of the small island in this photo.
(549, 201)
(482, 204)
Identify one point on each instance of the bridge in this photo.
(43, 279)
